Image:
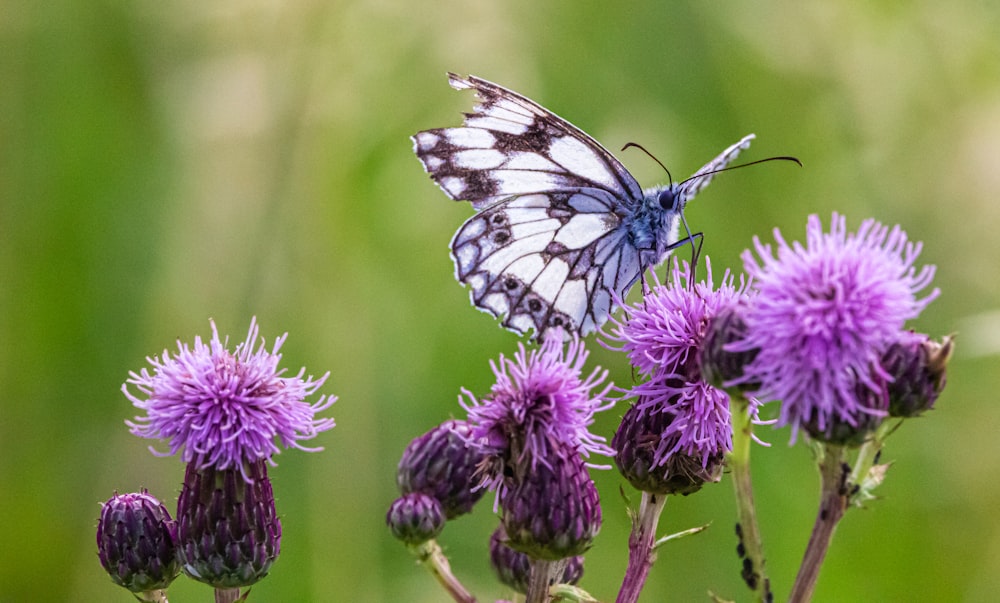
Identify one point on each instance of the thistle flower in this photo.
(679, 420)
(228, 531)
(540, 407)
(137, 542)
(225, 409)
(442, 464)
(824, 315)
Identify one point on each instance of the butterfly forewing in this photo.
(561, 227)
(510, 145)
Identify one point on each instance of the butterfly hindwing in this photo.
(536, 260)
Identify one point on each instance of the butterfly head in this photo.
(670, 198)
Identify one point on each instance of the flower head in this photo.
(137, 542)
(676, 411)
(540, 405)
(825, 313)
(225, 409)
(663, 332)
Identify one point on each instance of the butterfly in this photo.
(561, 228)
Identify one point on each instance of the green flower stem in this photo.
(751, 546)
(642, 545)
(432, 557)
(834, 490)
(869, 452)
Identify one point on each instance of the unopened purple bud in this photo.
(228, 528)
(720, 366)
(514, 567)
(918, 367)
(640, 443)
(442, 464)
(554, 511)
(137, 542)
(415, 518)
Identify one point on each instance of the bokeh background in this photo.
(162, 164)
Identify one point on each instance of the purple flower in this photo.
(224, 410)
(824, 315)
(662, 335)
(540, 406)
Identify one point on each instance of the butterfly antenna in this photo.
(794, 160)
(670, 178)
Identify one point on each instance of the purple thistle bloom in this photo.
(824, 315)
(539, 407)
(222, 409)
(662, 335)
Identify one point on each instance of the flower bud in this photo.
(228, 528)
(918, 367)
(137, 542)
(720, 366)
(441, 464)
(514, 568)
(415, 518)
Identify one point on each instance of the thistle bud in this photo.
(442, 465)
(514, 568)
(719, 365)
(228, 528)
(918, 367)
(415, 518)
(137, 542)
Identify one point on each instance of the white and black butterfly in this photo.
(561, 225)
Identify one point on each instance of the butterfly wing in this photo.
(546, 260)
(548, 245)
(510, 145)
(693, 185)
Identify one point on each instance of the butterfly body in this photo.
(562, 229)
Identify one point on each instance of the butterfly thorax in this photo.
(652, 228)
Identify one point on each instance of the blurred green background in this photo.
(166, 163)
